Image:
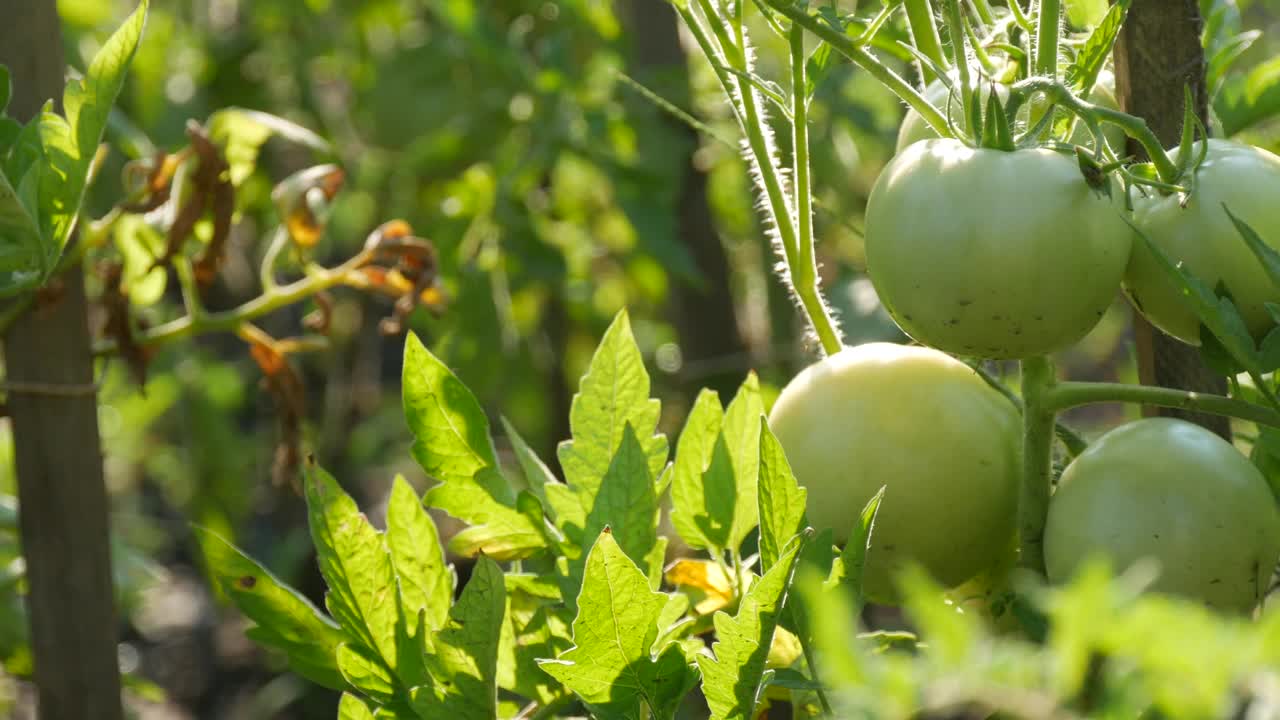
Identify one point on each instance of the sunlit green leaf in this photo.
(732, 680)
(286, 620)
(610, 666)
(464, 662)
(452, 444)
(696, 506)
(782, 500)
(355, 564)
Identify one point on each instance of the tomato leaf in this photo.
(1249, 99)
(285, 619)
(1267, 256)
(69, 144)
(536, 472)
(610, 667)
(732, 680)
(951, 633)
(453, 445)
(613, 393)
(355, 564)
(699, 509)
(367, 673)
(464, 659)
(1217, 314)
(742, 434)
(353, 708)
(1093, 55)
(848, 566)
(782, 500)
(20, 267)
(241, 134)
(425, 577)
(626, 503)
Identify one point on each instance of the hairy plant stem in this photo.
(1066, 395)
(848, 47)
(804, 272)
(1047, 28)
(1038, 421)
(983, 9)
(955, 27)
(924, 33)
(1135, 127)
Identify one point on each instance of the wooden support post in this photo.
(1158, 54)
(61, 494)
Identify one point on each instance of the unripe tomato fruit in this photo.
(990, 253)
(914, 129)
(1203, 238)
(927, 428)
(1172, 491)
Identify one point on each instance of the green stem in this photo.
(1070, 439)
(231, 320)
(804, 273)
(849, 48)
(1037, 457)
(924, 33)
(1072, 394)
(267, 272)
(955, 27)
(983, 8)
(1047, 38)
(1134, 127)
(187, 283)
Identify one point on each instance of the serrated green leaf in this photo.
(610, 667)
(742, 433)
(732, 680)
(70, 144)
(848, 566)
(1093, 55)
(452, 444)
(139, 245)
(782, 500)
(464, 663)
(1267, 255)
(367, 673)
(625, 503)
(286, 620)
(536, 472)
(241, 133)
(353, 708)
(527, 636)
(426, 578)
(700, 511)
(355, 564)
(613, 393)
(1219, 315)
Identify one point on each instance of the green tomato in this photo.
(1174, 492)
(927, 428)
(990, 253)
(1205, 241)
(914, 128)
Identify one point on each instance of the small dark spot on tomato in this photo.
(996, 317)
(964, 303)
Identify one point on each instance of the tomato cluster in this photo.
(1003, 254)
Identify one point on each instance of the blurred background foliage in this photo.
(516, 136)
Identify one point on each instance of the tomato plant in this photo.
(967, 250)
(924, 426)
(914, 128)
(1174, 492)
(1192, 228)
